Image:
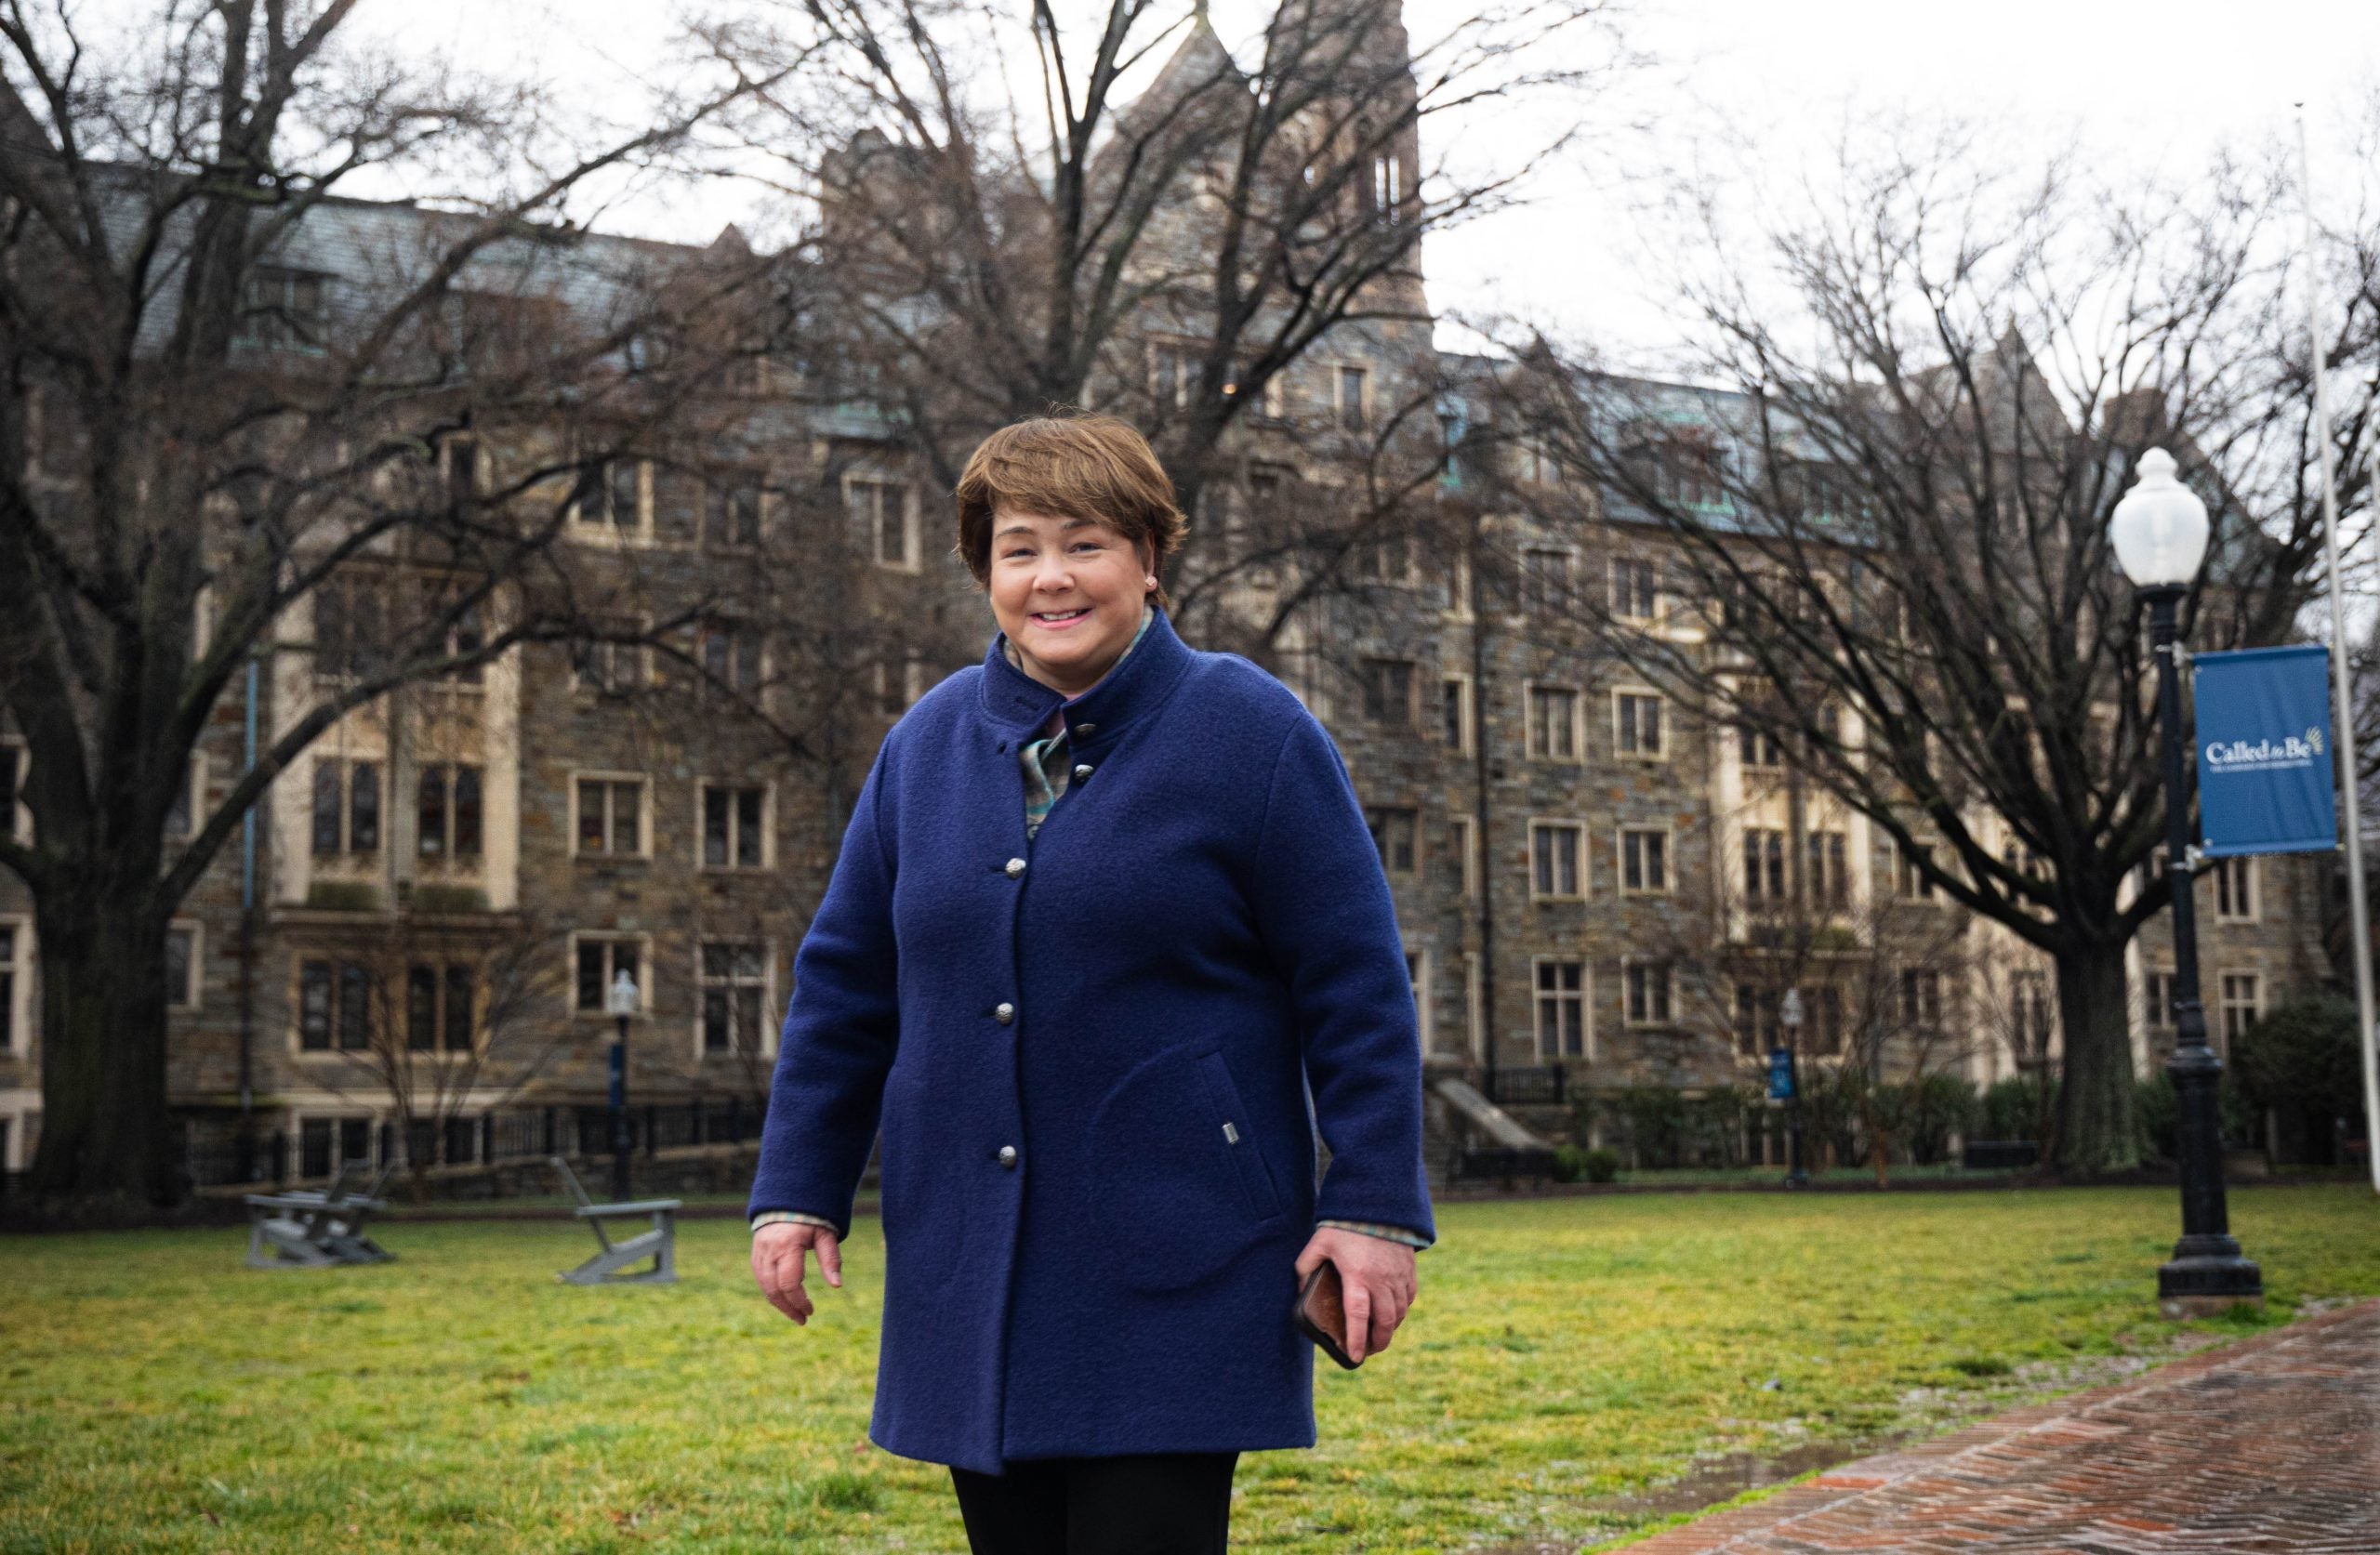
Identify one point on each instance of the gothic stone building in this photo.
(434, 902)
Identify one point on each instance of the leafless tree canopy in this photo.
(255, 415)
(1890, 518)
(233, 388)
(1009, 221)
(460, 1017)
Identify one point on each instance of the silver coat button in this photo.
(1086, 727)
(1081, 772)
(1004, 1012)
(1008, 1157)
(1015, 868)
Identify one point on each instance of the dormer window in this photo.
(1676, 468)
(282, 309)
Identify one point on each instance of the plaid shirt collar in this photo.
(1044, 760)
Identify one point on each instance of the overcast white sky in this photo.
(2154, 87)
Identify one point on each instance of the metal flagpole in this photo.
(2363, 943)
(2350, 753)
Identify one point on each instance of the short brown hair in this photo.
(1071, 467)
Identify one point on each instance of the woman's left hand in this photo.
(1379, 1280)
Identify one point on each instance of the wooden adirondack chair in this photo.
(610, 1264)
(308, 1228)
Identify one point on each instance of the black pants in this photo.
(1148, 1504)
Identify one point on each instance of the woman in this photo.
(1106, 915)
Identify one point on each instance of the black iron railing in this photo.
(217, 1152)
(1530, 1084)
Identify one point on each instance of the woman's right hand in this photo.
(779, 1253)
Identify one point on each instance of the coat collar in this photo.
(1017, 704)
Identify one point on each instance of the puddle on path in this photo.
(1711, 1482)
(1720, 1479)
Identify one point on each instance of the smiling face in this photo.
(1068, 594)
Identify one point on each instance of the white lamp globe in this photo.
(2160, 527)
(620, 998)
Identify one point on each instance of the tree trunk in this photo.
(2096, 1130)
(106, 1133)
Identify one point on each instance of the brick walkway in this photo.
(2269, 1445)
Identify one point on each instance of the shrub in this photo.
(2300, 1064)
(344, 896)
(2303, 1054)
(1600, 1165)
(2241, 1127)
(1940, 1106)
(1665, 1127)
(1892, 1110)
(1716, 1124)
(1569, 1161)
(2019, 1107)
(1655, 1120)
(1832, 1098)
(2156, 1116)
(437, 899)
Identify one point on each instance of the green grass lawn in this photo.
(159, 1396)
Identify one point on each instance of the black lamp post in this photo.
(620, 999)
(2160, 533)
(1789, 1015)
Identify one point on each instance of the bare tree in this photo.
(1008, 236)
(2015, 1021)
(460, 1016)
(1776, 907)
(212, 422)
(1892, 513)
(2347, 266)
(1911, 1026)
(834, 621)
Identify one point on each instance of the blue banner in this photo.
(2265, 783)
(1780, 1074)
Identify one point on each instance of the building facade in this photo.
(411, 954)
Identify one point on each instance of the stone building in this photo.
(1592, 879)
(411, 952)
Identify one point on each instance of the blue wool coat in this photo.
(1091, 1056)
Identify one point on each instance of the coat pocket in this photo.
(1238, 1135)
(1184, 1189)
